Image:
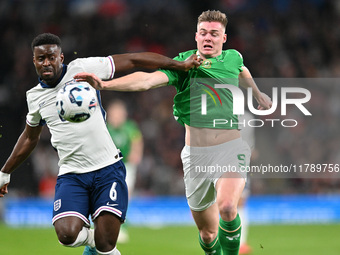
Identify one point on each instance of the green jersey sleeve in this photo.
(178, 78)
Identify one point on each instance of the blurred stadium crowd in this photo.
(278, 39)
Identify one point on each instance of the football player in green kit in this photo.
(212, 197)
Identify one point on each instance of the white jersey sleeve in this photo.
(33, 118)
(103, 67)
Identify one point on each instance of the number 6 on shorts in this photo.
(113, 192)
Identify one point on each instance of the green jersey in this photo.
(198, 103)
(124, 135)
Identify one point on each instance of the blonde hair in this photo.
(213, 16)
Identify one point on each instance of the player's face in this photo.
(48, 62)
(210, 37)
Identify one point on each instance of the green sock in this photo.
(229, 234)
(213, 248)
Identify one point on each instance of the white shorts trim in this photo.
(73, 214)
(107, 209)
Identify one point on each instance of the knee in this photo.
(208, 236)
(228, 210)
(107, 230)
(67, 235)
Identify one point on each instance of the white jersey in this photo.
(82, 147)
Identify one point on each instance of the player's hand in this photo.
(191, 62)
(4, 190)
(264, 101)
(4, 181)
(91, 79)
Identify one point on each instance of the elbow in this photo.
(144, 87)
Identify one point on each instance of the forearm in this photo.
(150, 60)
(131, 82)
(138, 81)
(250, 83)
(247, 81)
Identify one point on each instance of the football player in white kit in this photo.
(91, 179)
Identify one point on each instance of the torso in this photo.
(82, 147)
(201, 82)
(202, 137)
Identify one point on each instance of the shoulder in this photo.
(77, 62)
(90, 60)
(233, 53)
(34, 97)
(186, 54)
(33, 91)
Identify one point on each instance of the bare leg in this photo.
(106, 231)
(207, 223)
(229, 190)
(68, 228)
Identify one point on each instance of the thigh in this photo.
(110, 192)
(200, 193)
(230, 184)
(199, 188)
(71, 198)
(106, 231)
(229, 189)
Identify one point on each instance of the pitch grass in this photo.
(176, 240)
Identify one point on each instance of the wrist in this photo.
(257, 94)
(4, 178)
(179, 65)
(102, 85)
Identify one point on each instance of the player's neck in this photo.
(204, 57)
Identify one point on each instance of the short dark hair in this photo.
(46, 38)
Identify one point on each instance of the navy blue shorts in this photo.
(91, 193)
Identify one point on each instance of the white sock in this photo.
(113, 252)
(85, 237)
(244, 219)
(90, 238)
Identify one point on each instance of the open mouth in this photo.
(207, 47)
(47, 72)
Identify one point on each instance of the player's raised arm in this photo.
(128, 61)
(247, 81)
(23, 148)
(138, 81)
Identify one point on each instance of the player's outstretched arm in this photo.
(23, 148)
(150, 60)
(247, 81)
(138, 81)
